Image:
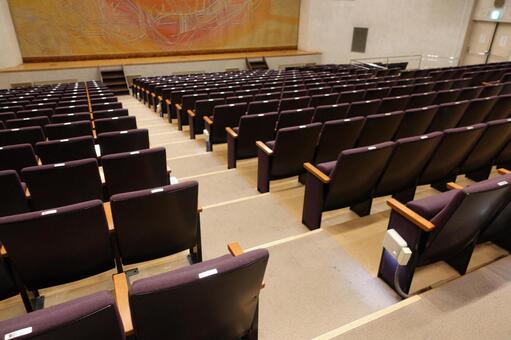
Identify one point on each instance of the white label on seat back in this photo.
(173, 180)
(110, 110)
(15, 129)
(260, 115)
(208, 273)
(470, 127)
(134, 152)
(18, 333)
(26, 118)
(68, 123)
(64, 140)
(34, 109)
(502, 183)
(371, 148)
(302, 126)
(424, 137)
(70, 114)
(58, 165)
(123, 132)
(49, 212)
(154, 191)
(72, 106)
(115, 118)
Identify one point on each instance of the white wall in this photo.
(10, 54)
(396, 27)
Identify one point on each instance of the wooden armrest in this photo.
(191, 113)
(160, 97)
(317, 173)
(109, 218)
(503, 171)
(167, 101)
(486, 83)
(207, 120)
(231, 132)
(264, 147)
(410, 215)
(178, 107)
(122, 301)
(153, 94)
(235, 249)
(454, 186)
(3, 252)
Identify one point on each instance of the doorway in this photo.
(489, 42)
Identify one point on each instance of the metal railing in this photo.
(415, 61)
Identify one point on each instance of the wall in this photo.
(9, 50)
(396, 27)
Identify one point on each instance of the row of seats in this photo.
(62, 118)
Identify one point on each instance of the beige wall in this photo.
(9, 50)
(396, 27)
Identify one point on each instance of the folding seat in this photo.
(27, 122)
(203, 108)
(401, 90)
(491, 90)
(351, 96)
(187, 103)
(408, 159)
(72, 109)
(506, 88)
(91, 317)
(4, 116)
(461, 83)
(442, 85)
(223, 116)
(65, 150)
(380, 128)
(294, 103)
(123, 141)
(12, 199)
(477, 111)
(104, 106)
(316, 91)
(246, 92)
(444, 228)
(70, 117)
(392, 104)
(155, 223)
(377, 93)
(477, 166)
(469, 93)
(419, 100)
(294, 93)
(68, 130)
(115, 124)
(110, 113)
(239, 99)
(27, 135)
(364, 86)
(225, 304)
(284, 157)
(267, 96)
(446, 96)
(330, 112)
(7, 285)
(323, 99)
(364, 108)
(452, 150)
(34, 113)
(56, 185)
(63, 239)
(147, 169)
(296, 117)
(73, 102)
(501, 109)
(265, 106)
(41, 105)
(221, 94)
(337, 136)
(347, 181)
(11, 108)
(448, 115)
(102, 99)
(423, 87)
(416, 121)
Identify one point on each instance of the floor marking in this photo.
(207, 174)
(368, 318)
(188, 156)
(162, 133)
(234, 201)
(286, 239)
(179, 142)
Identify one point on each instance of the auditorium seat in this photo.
(469, 93)
(68, 130)
(12, 198)
(294, 103)
(392, 104)
(294, 93)
(443, 227)
(501, 109)
(418, 100)
(347, 181)
(380, 128)
(115, 124)
(104, 106)
(330, 112)
(110, 113)
(27, 122)
(364, 108)
(203, 108)
(477, 111)
(73, 233)
(401, 90)
(323, 99)
(223, 116)
(4, 116)
(11, 108)
(65, 150)
(158, 222)
(351, 96)
(34, 113)
(187, 103)
(239, 99)
(147, 169)
(123, 141)
(322, 90)
(264, 106)
(16, 157)
(266, 96)
(60, 184)
(70, 117)
(27, 135)
(377, 93)
(296, 117)
(241, 140)
(491, 90)
(7, 285)
(448, 115)
(284, 157)
(41, 105)
(59, 110)
(416, 121)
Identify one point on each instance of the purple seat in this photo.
(223, 116)
(103, 106)
(477, 111)
(448, 115)
(455, 219)
(41, 105)
(4, 116)
(59, 110)
(267, 96)
(11, 108)
(147, 169)
(501, 109)
(317, 91)
(377, 93)
(203, 108)
(225, 304)
(419, 100)
(380, 128)
(71, 117)
(350, 183)
(155, 223)
(27, 122)
(265, 106)
(285, 156)
(123, 141)
(27, 135)
(34, 113)
(187, 103)
(12, 199)
(423, 88)
(351, 96)
(252, 128)
(239, 99)
(446, 96)
(60, 245)
(65, 150)
(17, 157)
(491, 90)
(296, 117)
(102, 114)
(97, 99)
(323, 99)
(401, 90)
(294, 93)
(337, 136)
(330, 112)
(416, 121)
(57, 185)
(294, 103)
(364, 108)
(392, 104)
(68, 130)
(115, 124)
(461, 83)
(71, 102)
(469, 93)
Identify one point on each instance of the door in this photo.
(501, 47)
(481, 36)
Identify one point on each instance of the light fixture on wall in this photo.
(495, 14)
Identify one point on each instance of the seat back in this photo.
(4, 116)
(419, 100)
(293, 147)
(154, 223)
(323, 99)
(17, 157)
(102, 114)
(220, 295)
(469, 93)
(68, 130)
(115, 124)
(491, 90)
(293, 103)
(377, 93)
(477, 111)
(416, 121)
(296, 117)
(498, 229)
(34, 113)
(147, 169)
(252, 128)
(123, 141)
(380, 128)
(71, 109)
(264, 106)
(448, 116)
(337, 136)
(446, 96)
(501, 109)
(60, 243)
(65, 150)
(70, 117)
(392, 104)
(351, 96)
(330, 112)
(364, 108)
(27, 135)
(12, 199)
(226, 116)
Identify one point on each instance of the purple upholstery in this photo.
(26, 122)
(224, 116)
(446, 96)
(323, 99)
(498, 230)
(377, 93)
(27, 135)
(65, 150)
(12, 199)
(416, 121)
(115, 124)
(290, 118)
(294, 103)
(392, 104)
(71, 109)
(17, 157)
(448, 116)
(380, 128)
(364, 108)
(265, 106)
(34, 113)
(337, 136)
(71, 117)
(469, 93)
(110, 113)
(203, 108)
(106, 106)
(418, 100)
(477, 111)
(330, 112)
(294, 93)
(123, 141)
(351, 96)
(501, 109)
(430, 206)
(188, 103)
(68, 130)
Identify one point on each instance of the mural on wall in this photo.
(59, 28)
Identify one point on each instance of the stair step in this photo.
(113, 83)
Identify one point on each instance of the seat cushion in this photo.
(327, 167)
(430, 206)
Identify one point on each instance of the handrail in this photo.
(419, 60)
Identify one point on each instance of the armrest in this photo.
(235, 249)
(410, 215)
(454, 186)
(167, 101)
(191, 113)
(153, 94)
(207, 120)
(231, 132)
(264, 147)
(503, 171)
(122, 301)
(160, 97)
(109, 218)
(3, 252)
(486, 83)
(316, 173)
(178, 107)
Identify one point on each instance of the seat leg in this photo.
(363, 208)
(263, 172)
(479, 175)
(232, 147)
(406, 195)
(313, 202)
(460, 261)
(196, 251)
